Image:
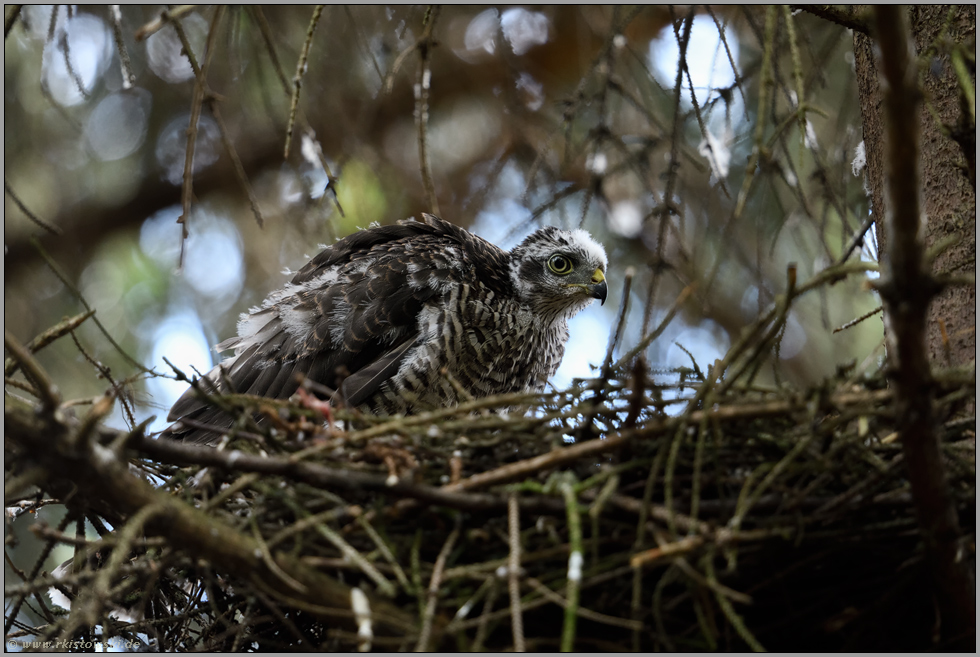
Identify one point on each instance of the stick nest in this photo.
(642, 510)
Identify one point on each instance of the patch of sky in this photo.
(707, 60)
(212, 278)
(116, 128)
(171, 147)
(869, 249)
(710, 70)
(214, 267)
(180, 338)
(75, 59)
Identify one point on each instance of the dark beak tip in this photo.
(599, 292)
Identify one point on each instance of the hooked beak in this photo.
(598, 287)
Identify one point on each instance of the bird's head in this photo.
(559, 272)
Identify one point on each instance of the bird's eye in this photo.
(560, 264)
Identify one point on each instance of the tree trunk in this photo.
(921, 172)
(948, 168)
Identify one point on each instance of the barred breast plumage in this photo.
(396, 318)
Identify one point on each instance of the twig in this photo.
(165, 18)
(654, 334)
(575, 561)
(99, 476)
(207, 96)
(385, 551)
(127, 537)
(18, 599)
(514, 572)
(301, 116)
(714, 585)
(44, 388)
(855, 322)
(615, 337)
(857, 239)
(72, 73)
(10, 19)
(482, 621)
(53, 23)
(582, 612)
(197, 103)
(906, 291)
(298, 77)
(270, 562)
(349, 552)
(739, 84)
(681, 546)
(751, 169)
(794, 50)
(425, 44)
(126, 67)
(54, 230)
(60, 329)
(696, 106)
(433, 593)
(728, 610)
(667, 207)
(236, 161)
(118, 389)
(849, 17)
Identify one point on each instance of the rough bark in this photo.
(947, 176)
(908, 181)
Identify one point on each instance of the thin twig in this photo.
(298, 77)
(667, 207)
(582, 612)
(729, 611)
(54, 230)
(126, 67)
(72, 73)
(758, 150)
(18, 599)
(236, 161)
(422, 86)
(433, 592)
(44, 387)
(575, 562)
(739, 84)
(165, 18)
(855, 322)
(514, 572)
(654, 334)
(857, 239)
(849, 16)
(197, 103)
(60, 329)
(10, 19)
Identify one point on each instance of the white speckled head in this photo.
(559, 272)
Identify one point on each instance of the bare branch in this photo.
(300, 72)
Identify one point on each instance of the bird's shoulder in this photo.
(416, 253)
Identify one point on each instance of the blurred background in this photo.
(650, 127)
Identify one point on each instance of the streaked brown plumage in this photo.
(378, 315)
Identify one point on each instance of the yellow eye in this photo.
(560, 264)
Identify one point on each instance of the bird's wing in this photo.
(348, 318)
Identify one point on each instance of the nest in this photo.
(640, 510)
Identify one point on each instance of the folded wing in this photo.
(347, 320)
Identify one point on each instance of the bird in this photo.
(405, 318)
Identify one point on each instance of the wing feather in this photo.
(349, 318)
(357, 388)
